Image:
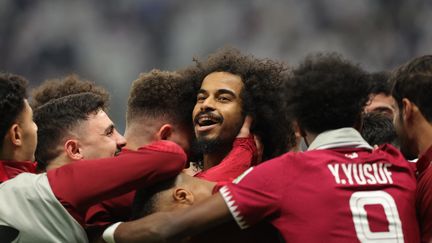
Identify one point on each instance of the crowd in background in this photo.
(139, 124)
(110, 42)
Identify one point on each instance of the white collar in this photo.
(346, 137)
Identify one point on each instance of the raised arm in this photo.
(242, 156)
(81, 184)
(175, 225)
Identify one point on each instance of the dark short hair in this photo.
(57, 118)
(378, 129)
(163, 95)
(380, 83)
(71, 84)
(327, 92)
(263, 94)
(145, 199)
(12, 95)
(413, 81)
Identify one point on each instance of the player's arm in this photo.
(424, 205)
(253, 199)
(242, 156)
(83, 183)
(175, 225)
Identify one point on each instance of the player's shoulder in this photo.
(317, 154)
(164, 146)
(282, 161)
(24, 180)
(390, 152)
(27, 186)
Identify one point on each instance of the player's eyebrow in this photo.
(109, 129)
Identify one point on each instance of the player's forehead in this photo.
(99, 121)
(382, 99)
(219, 81)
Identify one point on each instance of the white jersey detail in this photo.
(29, 205)
(224, 191)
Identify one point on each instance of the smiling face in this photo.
(99, 138)
(217, 114)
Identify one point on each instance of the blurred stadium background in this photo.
(111, 42)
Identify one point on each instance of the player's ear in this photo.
(407, 109)
(183, 196)
(15, 135)
(73, 150)
(165, 131)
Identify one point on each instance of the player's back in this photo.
(29, 206)
(348, 195)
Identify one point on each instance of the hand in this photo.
(260, 149)
(245, 129)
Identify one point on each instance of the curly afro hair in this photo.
(263, 95)
(13, 91)
(57, 88)
(413, 81)
(327, 92)
(162, 94)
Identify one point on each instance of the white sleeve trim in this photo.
(226, 195)
(108, 234)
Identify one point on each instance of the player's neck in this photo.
(58, 162)
(424, 136)
(214, 158)
(6, 154)
(135, 142)
(11, 153)
(138, 135)
(309, 138)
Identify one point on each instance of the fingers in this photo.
(260, 149)
(245, 129)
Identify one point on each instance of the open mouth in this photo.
(207, 121)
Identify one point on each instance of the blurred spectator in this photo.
(112, 41)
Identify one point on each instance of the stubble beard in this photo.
(203, 145)
(207, 146)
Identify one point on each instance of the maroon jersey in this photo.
(102, 215)
(241, 157)
(9, 169)
(424, 195)
(42, 206)
(342, 191)
(84, 183)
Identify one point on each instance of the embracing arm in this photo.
(243, 155)
(83, 183)
(175, 225)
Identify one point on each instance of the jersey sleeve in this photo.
(84, 183)
(256, 194)
(241, 157)
(424, 205)
(3, 175)
(100, 216)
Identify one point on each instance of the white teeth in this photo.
(206, 121)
